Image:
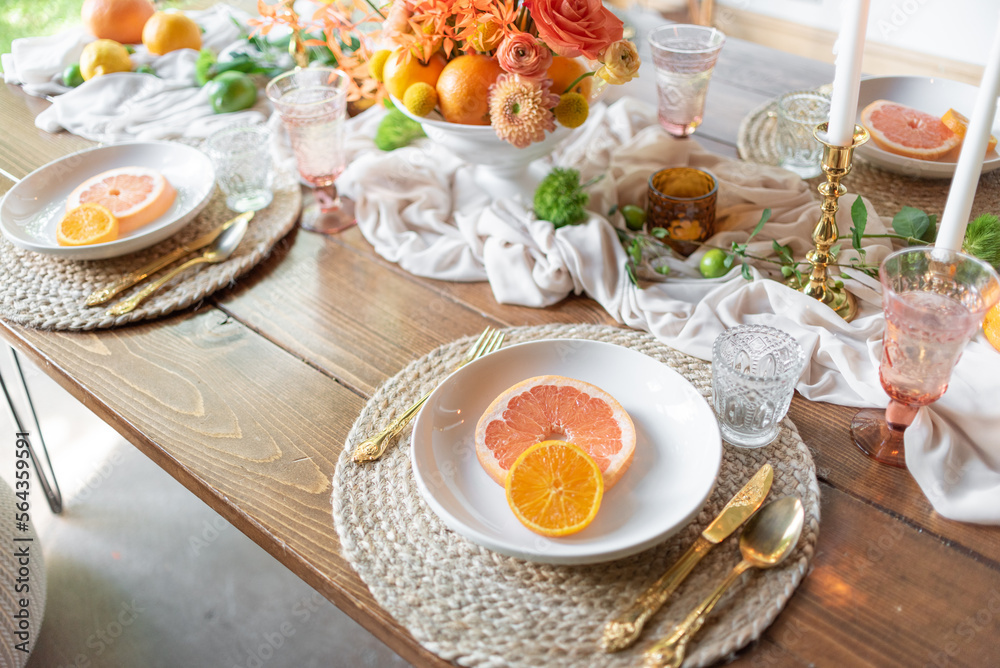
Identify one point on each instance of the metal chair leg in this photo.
(50, 487)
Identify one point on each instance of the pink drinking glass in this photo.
(934, 302)
(312, 104)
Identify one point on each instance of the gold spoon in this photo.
(769, 537)
(220, 250)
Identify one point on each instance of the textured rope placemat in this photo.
(887, 191)
(479, 608)
(49, 292)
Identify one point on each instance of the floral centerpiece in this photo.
(521, 66)
(518, 65)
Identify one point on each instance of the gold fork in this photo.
(373, 447)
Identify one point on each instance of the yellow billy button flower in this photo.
(620, 62)
(572, 110)
(420, 98)
(377, 64)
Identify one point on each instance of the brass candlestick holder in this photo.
(836, 165)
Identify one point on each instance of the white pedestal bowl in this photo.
(500, 168)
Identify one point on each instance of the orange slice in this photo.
(135, 195)
(902, 130)
(87, 224)
(959, 124)
(554, 488)
(991, 326)
(555, 408)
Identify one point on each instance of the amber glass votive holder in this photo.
(681, 200)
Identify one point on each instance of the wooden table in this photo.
(248, 399)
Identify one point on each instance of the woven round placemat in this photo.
(49, 292)
(887, 191)
(479, 608)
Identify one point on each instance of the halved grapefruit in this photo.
(905, 131)
(555, 408)
(135, 195)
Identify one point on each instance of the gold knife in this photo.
(621, 632)
(133, 277)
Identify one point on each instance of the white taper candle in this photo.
(847, 75)
(958, 206)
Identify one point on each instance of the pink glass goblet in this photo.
(312, 104)
(934, 302)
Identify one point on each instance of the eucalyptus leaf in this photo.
(931, 234)
(764, 217)
(859, 215)
(911, 222)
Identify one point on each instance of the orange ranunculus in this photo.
(575, 27)
(524, 54)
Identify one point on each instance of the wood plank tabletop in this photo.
(248, 399)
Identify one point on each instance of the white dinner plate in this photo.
(30, 211)
(933, 96)
(677, 454)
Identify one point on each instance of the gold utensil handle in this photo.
(126, 306)
(621, 632)
(373, 447)
(133, 277)
(669, 652)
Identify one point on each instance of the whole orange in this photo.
(168, 31)
(464, 88)
(565, 71)
(120, 20)
(401, 72)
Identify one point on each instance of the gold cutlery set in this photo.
(219, 244)
(770, 535)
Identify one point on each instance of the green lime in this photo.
(71, 75)
(713, 263)
(635, 217)
(231, 91)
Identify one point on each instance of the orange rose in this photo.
(573, 28)
(524, 54)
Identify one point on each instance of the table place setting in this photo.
(557, 494)
(468, 603)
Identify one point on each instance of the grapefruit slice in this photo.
(905, 131)
(959, 124)
(135, 195)
(548, 408)
(554, 488)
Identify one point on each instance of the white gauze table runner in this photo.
(421, 208)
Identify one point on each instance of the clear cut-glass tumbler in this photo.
(754, 372)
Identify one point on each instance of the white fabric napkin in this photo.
(420, 207)
(119, 107)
